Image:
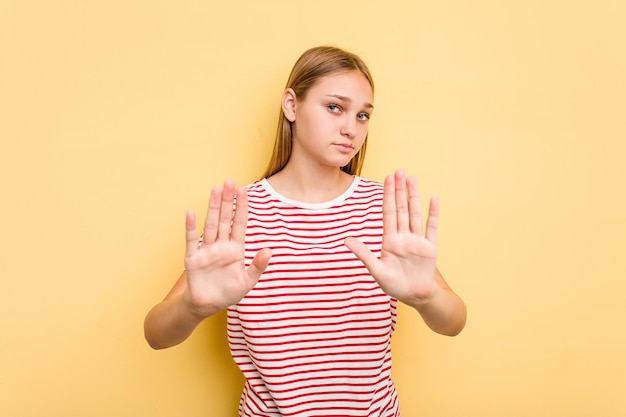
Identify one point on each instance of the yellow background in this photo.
(118, 116)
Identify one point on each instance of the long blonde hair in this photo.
(312, 65)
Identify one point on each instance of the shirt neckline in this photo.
(312, 206)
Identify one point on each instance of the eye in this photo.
(334, 108)
(363, 116)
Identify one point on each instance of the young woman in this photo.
(311, 260)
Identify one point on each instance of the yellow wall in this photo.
(117, 116)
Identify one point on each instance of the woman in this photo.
(311, 260)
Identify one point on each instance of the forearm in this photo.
(170, 322)
(444, 313)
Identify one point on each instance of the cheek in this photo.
(312, 124)
(361, 140)
(363, 132)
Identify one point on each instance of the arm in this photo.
(407, 268)
(215, 275)
(174, 319)
(444, 312)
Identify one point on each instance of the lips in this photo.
(345, 147)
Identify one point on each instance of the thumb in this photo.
(363, 253)
(259, 263)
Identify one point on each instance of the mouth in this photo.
(345, 147)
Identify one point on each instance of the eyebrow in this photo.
(349, 100)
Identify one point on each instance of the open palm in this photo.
(215, 266)
(407, 264)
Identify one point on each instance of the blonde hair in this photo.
(313, 65)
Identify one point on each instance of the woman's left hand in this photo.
(407, 265)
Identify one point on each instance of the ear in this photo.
(289, 104)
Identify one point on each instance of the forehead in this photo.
(353, 85)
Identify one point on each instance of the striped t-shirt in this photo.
(312, 338)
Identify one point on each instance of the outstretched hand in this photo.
(216, 273)
(407, 264)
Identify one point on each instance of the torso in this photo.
(313, 336)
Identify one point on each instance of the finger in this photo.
(240, 221)
(415, 208)
(226, 211)
(212, 216)
(432, 223)
(191, 234)
(362, 252)
(402, 206)
(259, 263)
(390, 223)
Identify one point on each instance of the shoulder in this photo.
(257, 189)
(366, 192)
(254, 185)
(367, 183)
(258, 194)
(369, 187)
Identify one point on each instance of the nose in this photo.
(348, 128)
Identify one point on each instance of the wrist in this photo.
(424, 297)
(199, 311)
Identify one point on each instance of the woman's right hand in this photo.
(215, 266)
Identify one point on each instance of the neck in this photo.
(310, 186)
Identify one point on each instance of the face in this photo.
(330, 124)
